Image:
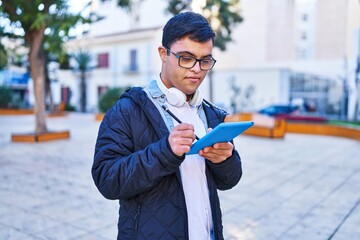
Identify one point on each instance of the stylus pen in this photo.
(174, 117)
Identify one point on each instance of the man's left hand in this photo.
(217, 153)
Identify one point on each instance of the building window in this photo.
(304, 36)
(301, 53)
(133, 61)
(102, 90)
(304, 17)
(65, 95)
(103, 60)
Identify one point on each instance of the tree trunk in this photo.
(83, 91)
(37, 60)
(48, 92)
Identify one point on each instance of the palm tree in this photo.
(83, 59)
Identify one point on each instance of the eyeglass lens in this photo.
(189, 62)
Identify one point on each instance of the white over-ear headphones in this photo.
(177, 98)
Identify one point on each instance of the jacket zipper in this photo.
(136, 217)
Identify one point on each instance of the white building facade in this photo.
(276, 41)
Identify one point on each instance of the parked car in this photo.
(274, 110)
(290, 113)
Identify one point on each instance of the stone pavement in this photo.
(300, 187)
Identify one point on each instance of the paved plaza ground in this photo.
(299, 187)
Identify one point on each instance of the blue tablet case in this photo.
(224, 132)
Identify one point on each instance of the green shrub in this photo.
(5, 97)
(69, 108)
(109, 98)
(3, 57)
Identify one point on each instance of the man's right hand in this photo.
(181, 138)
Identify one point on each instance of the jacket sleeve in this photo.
(227, 173)
(121, 170)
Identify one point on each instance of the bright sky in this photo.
(77, 5)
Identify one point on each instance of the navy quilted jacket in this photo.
(133, 162)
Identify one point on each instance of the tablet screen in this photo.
(224, 132)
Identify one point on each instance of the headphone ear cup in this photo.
(175, 97)
(196, 99)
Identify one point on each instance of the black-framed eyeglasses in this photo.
(189, 62)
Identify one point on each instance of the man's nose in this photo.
(196, 67)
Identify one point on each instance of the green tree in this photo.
(109, 98)
(3, 57)
(30, 20)
(223, 15)
(5, 97)
(83, 59)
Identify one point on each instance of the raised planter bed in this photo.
(99, 116)
(323, 129)
(4, 111)
(57, 114)
(33, 137)
(276, 131)
(264, 126)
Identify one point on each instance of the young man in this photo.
(140, 154)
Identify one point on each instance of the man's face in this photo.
(186, 80)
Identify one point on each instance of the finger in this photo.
(215, 155)
(184, 132)
(181, 149)
(211, 156)
(184, 126)
(223, 146)
(187, 141)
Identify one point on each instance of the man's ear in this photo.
(162, 53)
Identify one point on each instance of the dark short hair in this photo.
(187, 24)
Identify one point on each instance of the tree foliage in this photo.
(52, 16)
(83, 59)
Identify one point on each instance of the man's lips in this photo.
(193, 78)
